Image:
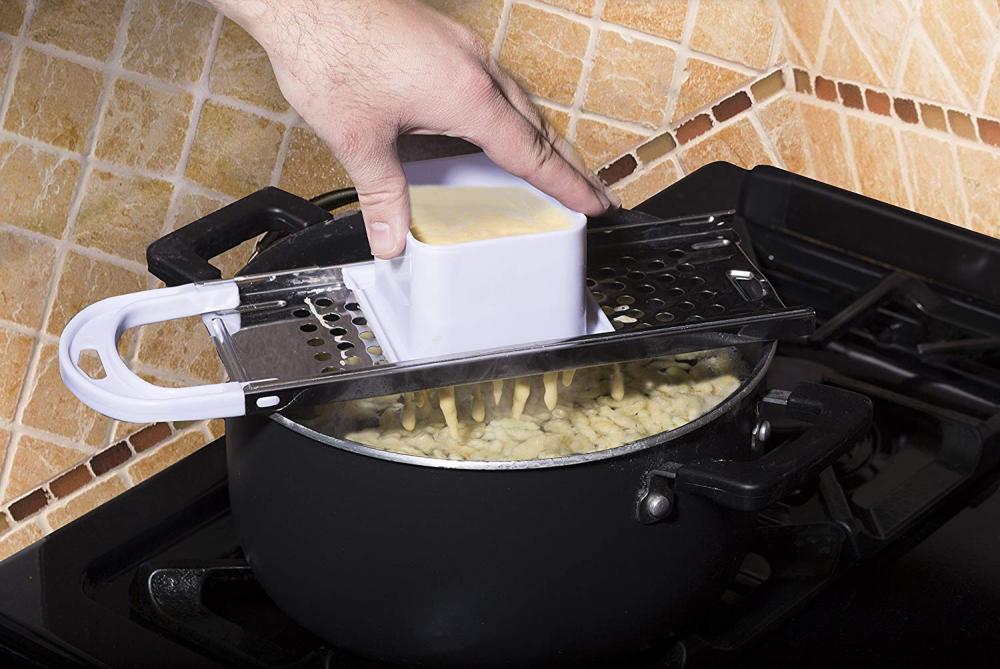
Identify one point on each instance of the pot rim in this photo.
(754, 378)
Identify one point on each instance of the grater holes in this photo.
(308, 327)
(323, 356)
(352, 360)
(331, 318)
(695, 319)
(600, 297)
(656, 264)
(323, 302)
(352, 306)
(628, 260)
(655, 303)
(685, 267)
(666, 278)
(675, 292)
(706, 294)
(374, 350)
(328, 370)
(338, 332)
(716, 309)
(315, 341)
(646, 288)
(360, 320)
(614, 285)
(636, 275)
(606, 272)
(625, 299)
(676, 253)
(301, 313)
(664, 317)
(695, 280)
(367, 335)
(591, 283)
(684, 306)
(345, 346)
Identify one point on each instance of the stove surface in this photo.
(888, 558)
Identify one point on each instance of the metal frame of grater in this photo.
(300, 337)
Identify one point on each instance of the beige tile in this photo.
(880, 27)
(585, 7)
(182, 346)
(598, 143)
(845, 58)
(544, 51)
(88, 28)
(483, 16)
(144, 127)
(53, 408)
(740, 31)
(84, 281)
(310, 168)
(166, 455)
(35, 462)
(38, 187)
(963, 39)
(12, 15)
(6, 53)
(15, 351)
(630, 79)
(809, 140)
(233, 151)
(122, 214)
(877, 160)
(19, 538)
(556, 118)
(26, 266)
(704, 84)
(934, 178)
(54, 100)
(738, 143)
(648, 184)
(217, 428)
(925, 76)
(982, 188)
(183, 30)
(806, 21)
(85, 501)
(241, 69)
(664, 18)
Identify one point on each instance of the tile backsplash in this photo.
(121, 120)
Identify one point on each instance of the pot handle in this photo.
(121, 394)
(182, 256)
(837, 419)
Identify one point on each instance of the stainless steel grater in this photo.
(301, 337)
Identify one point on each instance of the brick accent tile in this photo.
(699, 125)
(850, 95)
(72, 480)
(110, 458)
(905, 109)
(29, 505)
(961, 124)
(989, 131)
(877, 102)
(149, 436)
(618, 170)
(85, 502)
(826, 89)
(802, 82)
(731, 106)
(933, 117)
(768, 86)
(656, 147)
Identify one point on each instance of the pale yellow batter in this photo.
(604, 407)
(453, 214)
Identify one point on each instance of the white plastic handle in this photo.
(123, 395)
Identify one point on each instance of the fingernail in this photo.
(613, 196)
(380, 239)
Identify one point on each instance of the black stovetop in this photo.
(887, 558)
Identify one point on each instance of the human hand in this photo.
(363, 72)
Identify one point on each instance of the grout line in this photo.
(790, 35)
(677, 78)
(992, 67)
(963, 197)
(501, 33)
(909, 36)
(904, 165)
(764, 138)
(621, 124)
(956, 90)
(876, 67)
(824, 36)
(774, 58)
(589, 56)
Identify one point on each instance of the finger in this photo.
(523, 150)
(520, 100)
(378, 176)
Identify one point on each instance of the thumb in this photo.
(384, 198)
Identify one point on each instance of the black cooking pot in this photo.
(429, 562)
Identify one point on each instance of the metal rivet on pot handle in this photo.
(657, 503)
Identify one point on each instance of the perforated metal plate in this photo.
(667, 287)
